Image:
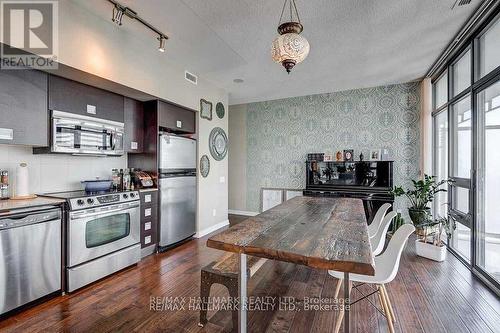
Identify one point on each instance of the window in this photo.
(461, 74)
(441, 91)
(489, 50)
(441, 160)
(462, 134)
(488, 207)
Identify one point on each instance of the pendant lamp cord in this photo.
(293, 7)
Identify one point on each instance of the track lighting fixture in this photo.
(162, 43)
(119, 10)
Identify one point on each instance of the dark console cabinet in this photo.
(370, 181)
(71, 96)
(23, 107)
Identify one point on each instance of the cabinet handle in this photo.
(147, 212)
(6, 134)
(147, 239)
(147, 198)
(147, 226)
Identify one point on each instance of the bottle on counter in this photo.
(115, 177)
(126, 180)
(4, 185)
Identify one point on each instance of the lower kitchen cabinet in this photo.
(149, 220)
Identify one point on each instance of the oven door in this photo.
(97, 232)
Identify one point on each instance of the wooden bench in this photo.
(224, 271)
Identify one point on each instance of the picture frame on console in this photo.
(375, 155)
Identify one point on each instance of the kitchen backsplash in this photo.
(51, 172)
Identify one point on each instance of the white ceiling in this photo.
(354, 44)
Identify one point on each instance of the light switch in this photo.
(214, 212)
(147, 212)
(147, 239)
(147, 198)
(133, 145)
(222, 180)
(147, 226)
(91, 109)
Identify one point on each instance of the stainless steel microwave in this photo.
(83, 135)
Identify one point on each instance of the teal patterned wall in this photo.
(280, 133)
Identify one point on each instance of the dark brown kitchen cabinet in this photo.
(176, 118)
(23, 107)
(71, 96)
(134, 125)
(149, 220)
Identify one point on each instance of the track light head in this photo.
(162, 43)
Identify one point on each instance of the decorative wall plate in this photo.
(219, 110)
(204, 166)
(205, 109)
(217, 143)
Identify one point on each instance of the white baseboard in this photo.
(211, 229)
(242, 212)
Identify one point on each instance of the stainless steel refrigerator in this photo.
(177, 173)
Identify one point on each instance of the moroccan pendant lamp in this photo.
(290, 48)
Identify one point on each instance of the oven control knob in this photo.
(132, 195)
(80, 202)
(90, 201)
(125, 196)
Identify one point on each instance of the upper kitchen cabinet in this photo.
(176, 118)
(134, 126)
(23, 107)
(71, 96)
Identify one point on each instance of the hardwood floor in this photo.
(427, 297)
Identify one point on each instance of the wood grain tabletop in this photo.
(324, 233)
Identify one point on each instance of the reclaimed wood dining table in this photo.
(319, 232)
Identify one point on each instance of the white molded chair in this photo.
(386, 268)
(377, 219)
(378, 240)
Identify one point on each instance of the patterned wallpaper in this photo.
(280, 133)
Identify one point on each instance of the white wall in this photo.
(96, 45)
(52, 173)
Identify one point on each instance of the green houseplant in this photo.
(420, 196)
(432, 246)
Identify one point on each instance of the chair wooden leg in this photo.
(386, 310)
(389, 304)
(340, 317)
(337, 289)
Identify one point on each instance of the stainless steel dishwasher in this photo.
(30, 255)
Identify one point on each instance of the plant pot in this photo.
(419, 216)
(430, 251)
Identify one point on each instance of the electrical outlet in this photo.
(214, 212)
(222, 180)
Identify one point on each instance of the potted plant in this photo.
(396, 223)
(420, 196)
(433, 247)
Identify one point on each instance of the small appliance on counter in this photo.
(142, 179)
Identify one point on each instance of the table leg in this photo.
(242, 286)
(346, 302)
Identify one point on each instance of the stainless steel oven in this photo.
(77, 134)
(96, 232)
(102, 238)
